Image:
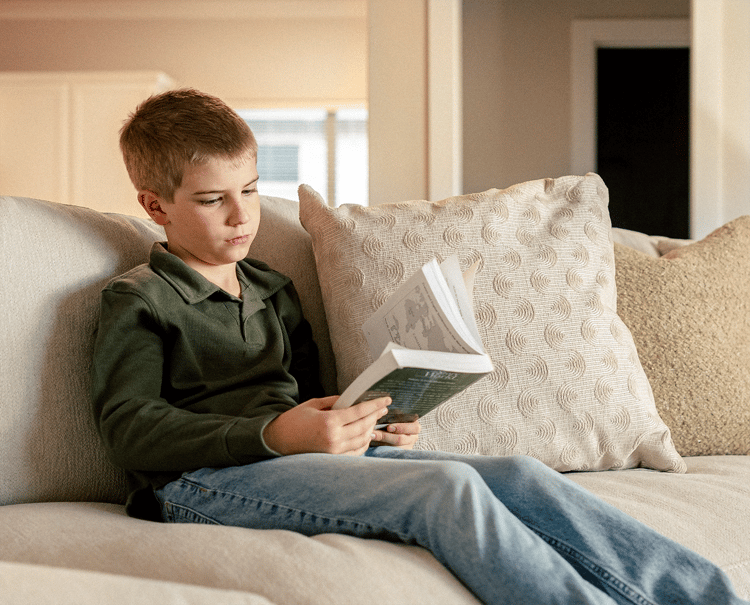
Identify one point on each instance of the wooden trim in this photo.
(444, 99)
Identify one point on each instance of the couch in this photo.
(64, 536)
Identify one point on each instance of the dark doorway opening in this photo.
(643, 138)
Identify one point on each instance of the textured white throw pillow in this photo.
(568, 387)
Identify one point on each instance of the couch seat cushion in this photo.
(25, 584)
(281, 566)
(704, 509)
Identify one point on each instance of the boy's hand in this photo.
(313, 426)
(402, 435)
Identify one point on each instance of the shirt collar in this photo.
(257, 280)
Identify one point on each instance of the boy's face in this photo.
(214, 215)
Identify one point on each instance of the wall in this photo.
(516, 73)
(720, 113)
(516, 84)
(251, 53)
(397, 100)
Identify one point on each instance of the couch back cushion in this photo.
(55, 261)
(688, 313)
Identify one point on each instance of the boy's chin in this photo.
(240, 251)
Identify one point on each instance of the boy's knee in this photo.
(452, 478)
(454, 470)
(534, 468)
(529, 466)
(524, 469)
(532, 475)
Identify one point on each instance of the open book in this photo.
(425, 343)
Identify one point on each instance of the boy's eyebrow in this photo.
(255, 180)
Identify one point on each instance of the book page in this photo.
(422, 314)
(462, 286)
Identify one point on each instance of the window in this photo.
(324, 149)
(279, 162)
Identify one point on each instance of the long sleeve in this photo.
(141, 429)
(305, 362)
(187, 376)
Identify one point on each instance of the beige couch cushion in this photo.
(689, 313)
(23, 584)
(281, 566)
(568, 387)
(56, 259)
(653, 245)
(704, 509)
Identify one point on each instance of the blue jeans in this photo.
(512, 530)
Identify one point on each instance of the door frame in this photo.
(589, 35)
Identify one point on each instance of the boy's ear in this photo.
(152, 204)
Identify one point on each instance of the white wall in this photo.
(517, 93)
(415, 99)
(720, 123)
(397, 100)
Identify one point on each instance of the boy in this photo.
(205, 390)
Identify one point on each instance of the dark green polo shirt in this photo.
(187, 376)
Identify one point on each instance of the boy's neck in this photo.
(224, 276)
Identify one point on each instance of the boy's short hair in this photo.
(172, 130)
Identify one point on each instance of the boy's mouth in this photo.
(242, 239)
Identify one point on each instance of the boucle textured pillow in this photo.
(689, 313)
(568, 386)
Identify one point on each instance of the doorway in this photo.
(601, 53)
(643, 138)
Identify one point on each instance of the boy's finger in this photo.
(392, 439)
(366, 408)
(405, 428)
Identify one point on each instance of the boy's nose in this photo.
(240, 214)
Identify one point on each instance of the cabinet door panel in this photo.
(34, 140)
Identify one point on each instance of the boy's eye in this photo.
(210, 202)
(250, 191)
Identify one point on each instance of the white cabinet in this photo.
(59, 135)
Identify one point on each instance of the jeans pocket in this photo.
(176, 513)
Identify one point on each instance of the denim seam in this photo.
(263, 501)
(621, 587)
(172, 505)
